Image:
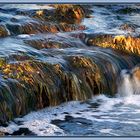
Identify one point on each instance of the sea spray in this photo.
(129, 82)
(125, 86)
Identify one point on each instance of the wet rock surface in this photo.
(122, 43)
(3, 31)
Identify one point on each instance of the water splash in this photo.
(129, 82)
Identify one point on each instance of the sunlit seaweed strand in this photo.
(123, 43)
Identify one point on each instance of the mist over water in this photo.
(90, 91)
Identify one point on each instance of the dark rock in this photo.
(23, 131)
(3, 31)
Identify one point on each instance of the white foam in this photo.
(105, 130)
(25, 35)
(10, 129)
(132, 100)
(49, 113)
(40, 122)
(42, 128)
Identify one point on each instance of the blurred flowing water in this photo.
(115, 110)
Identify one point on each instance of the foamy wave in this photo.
(109, 110)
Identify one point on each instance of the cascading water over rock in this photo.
(47, 59)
